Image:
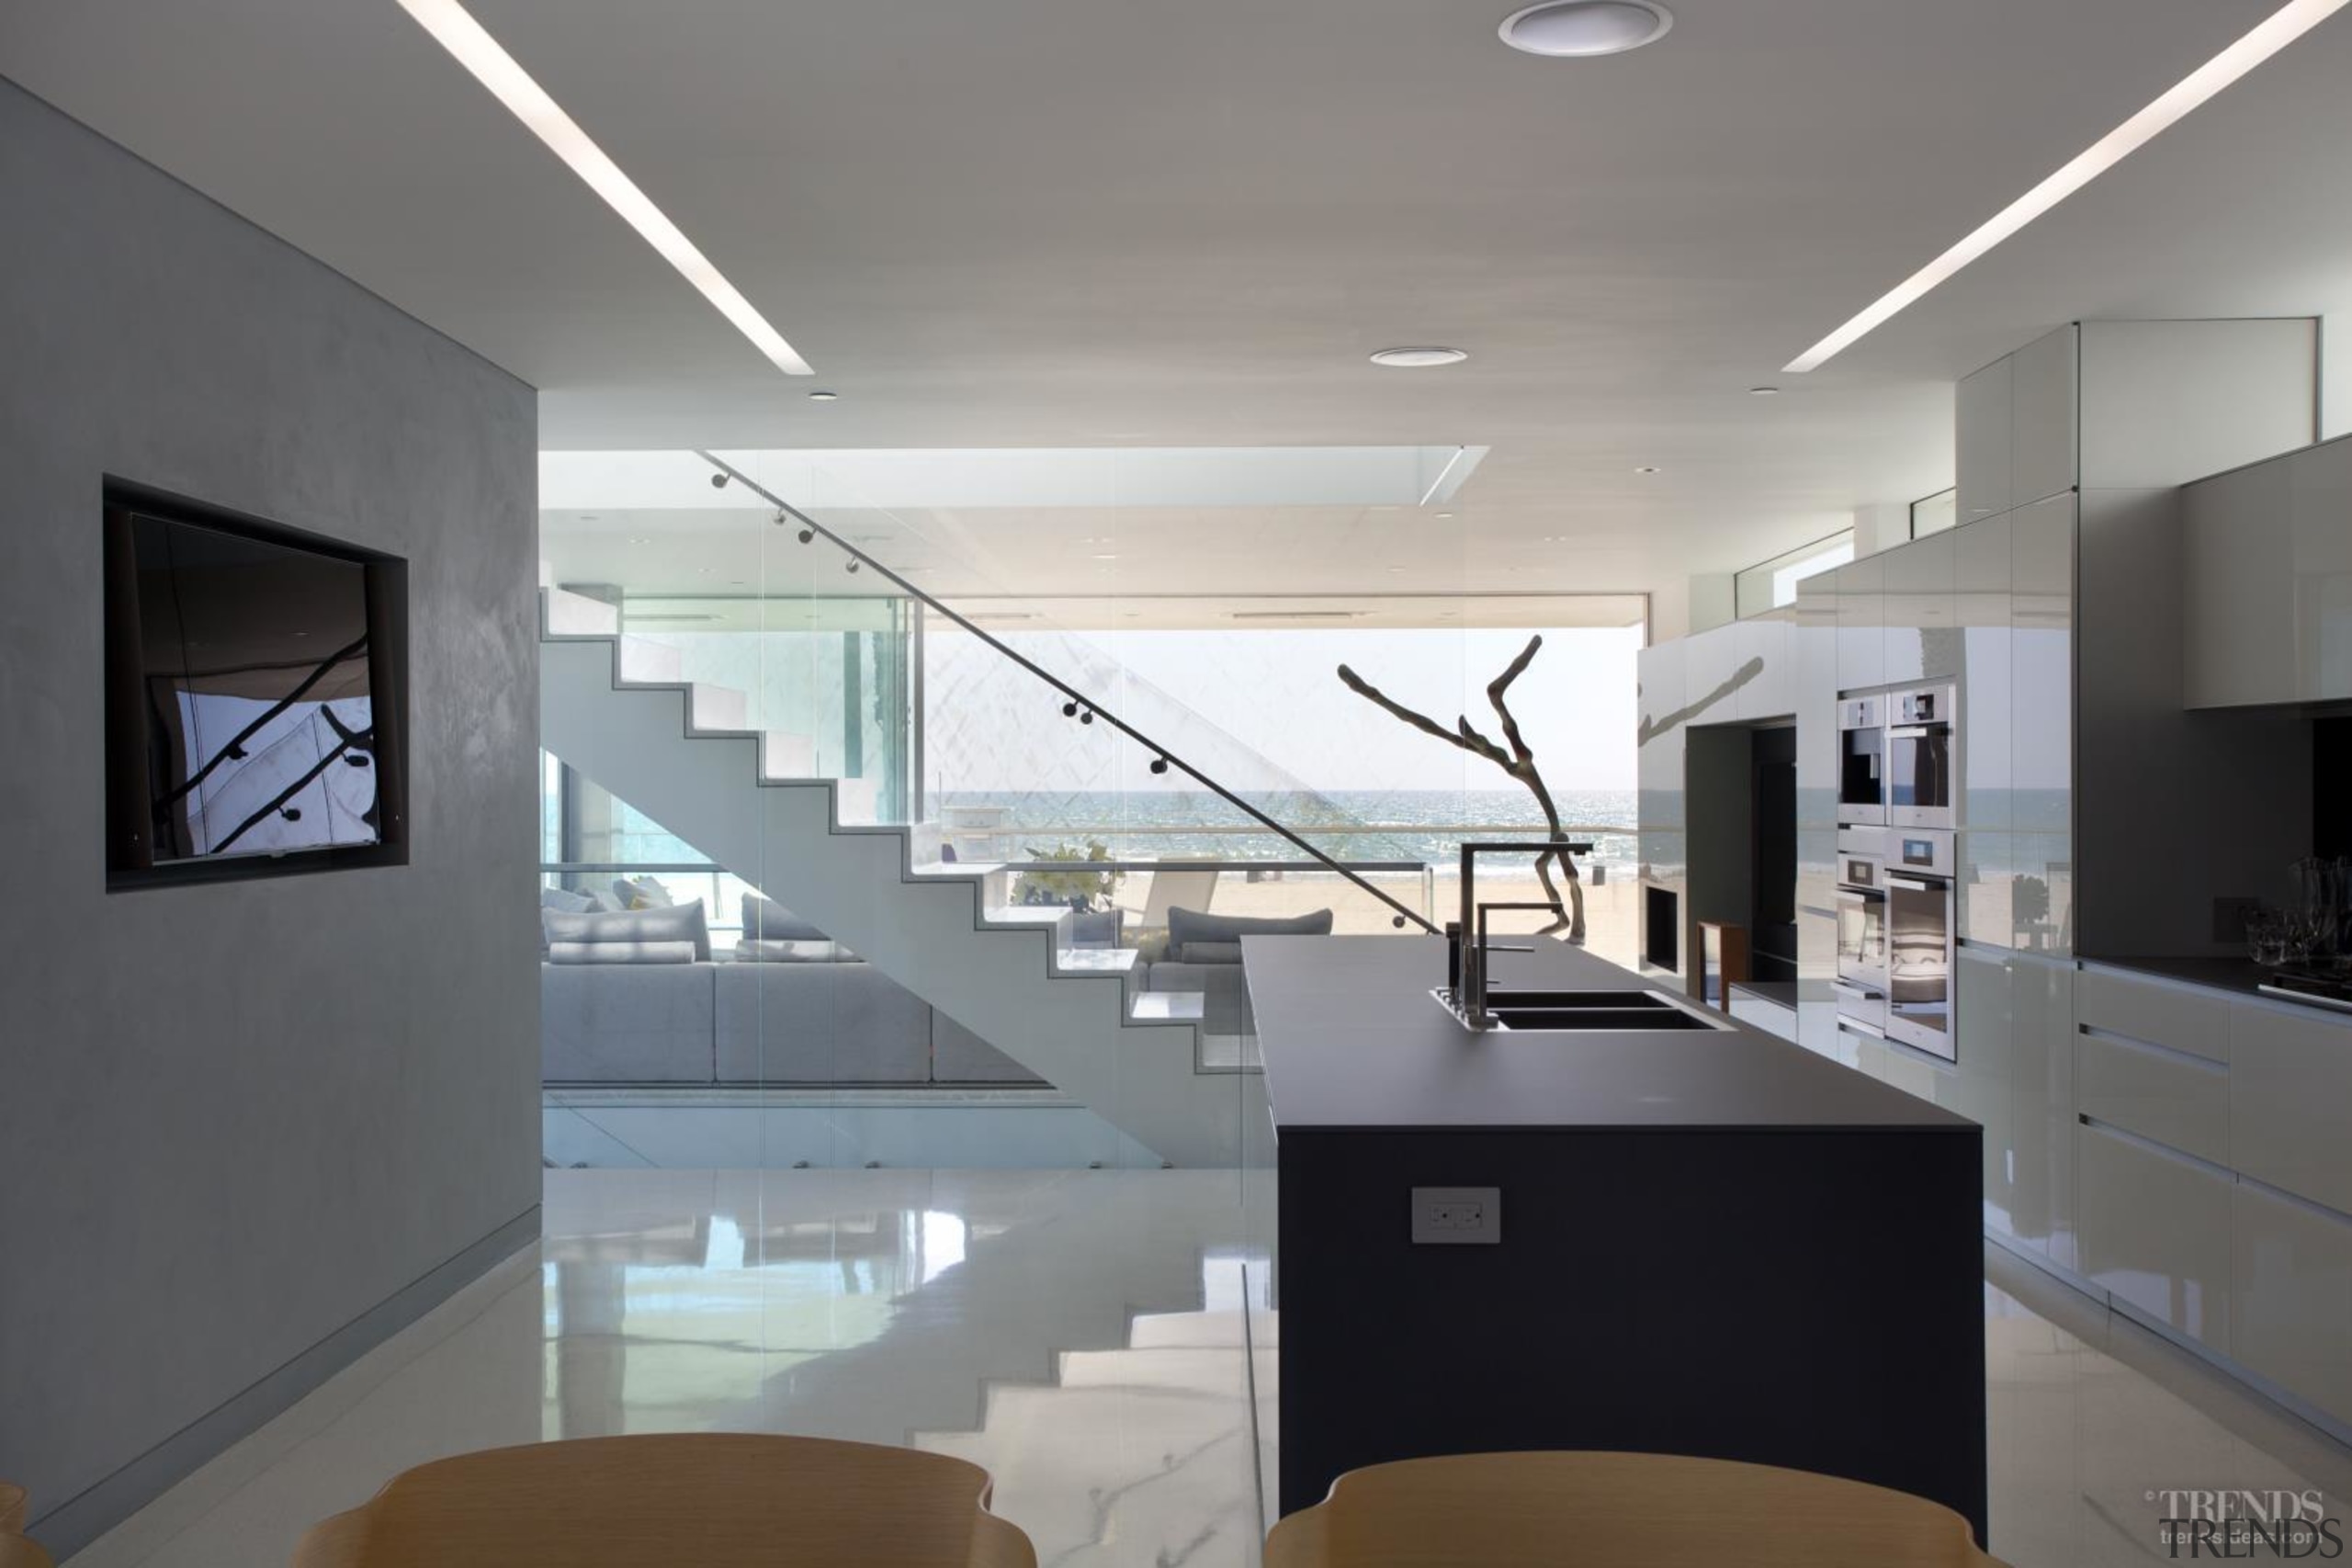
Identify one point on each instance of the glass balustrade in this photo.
(1080, 734)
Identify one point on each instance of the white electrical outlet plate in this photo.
(1457, 1216)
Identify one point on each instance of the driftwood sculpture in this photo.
(1519, 762)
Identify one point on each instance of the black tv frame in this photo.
(130, 862)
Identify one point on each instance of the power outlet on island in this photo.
(1457, 1216)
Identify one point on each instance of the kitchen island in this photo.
(1690, 1240)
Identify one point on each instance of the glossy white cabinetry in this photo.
(2290, 1296)
(1981, 604)
(2269, 555)
(1922, 640)
(1983, 1087)
(2179, 1101)
(2044, 403)
(2041, 724)
(2186, 1019)
(1767, 644)
(2212, 1127)
(2042, 1098)
(2156, 1231)
(1861, 624)
(2291, 1095)
(1658, 762)
(1981, 408)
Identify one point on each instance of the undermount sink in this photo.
(1501, 996)
(1586, 1013)
(1607, 1020)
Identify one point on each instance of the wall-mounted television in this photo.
(255, 716)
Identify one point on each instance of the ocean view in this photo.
(1422, 826)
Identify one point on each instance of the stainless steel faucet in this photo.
(1465, 968)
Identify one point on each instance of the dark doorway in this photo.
(1774, 783)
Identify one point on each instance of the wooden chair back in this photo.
(712, 1499)
(16, 1552)
(1624, 1510)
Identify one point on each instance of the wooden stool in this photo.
(1624, 1510)
(711, 1499)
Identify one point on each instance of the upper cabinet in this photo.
(1981, 410)
(2015, 428)
(2043, 431)
(2268, 581)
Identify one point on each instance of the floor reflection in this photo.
(1080, 1334)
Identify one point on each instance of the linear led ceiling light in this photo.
(2282, 28)
(456, 31)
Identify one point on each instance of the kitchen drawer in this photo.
(2290, 1097)
(2153, 1229)
(2290, 1296)
(2186, 1019)
(2180, 1100)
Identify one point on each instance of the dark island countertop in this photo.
(1352, 1038)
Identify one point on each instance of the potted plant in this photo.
(1062, 878)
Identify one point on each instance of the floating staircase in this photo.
(620, 709)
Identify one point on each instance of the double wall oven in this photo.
(1897, 909)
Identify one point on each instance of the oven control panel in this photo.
(1929, 854)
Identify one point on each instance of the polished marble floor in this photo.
(1080, 1334)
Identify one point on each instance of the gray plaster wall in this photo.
(246, 1129)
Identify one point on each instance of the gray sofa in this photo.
(1204, 955)
(718, 1021)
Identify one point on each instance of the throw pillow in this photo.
(681, 922)
(1191, 926)
(642, 893)
(764, 919)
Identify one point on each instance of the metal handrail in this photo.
(1086, 704)
(706, 867)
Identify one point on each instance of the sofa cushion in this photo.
(1189, 926)
(621, 953)
(682, 922)
(565, 901)
(772, 950)
(625, 1022)
(1208, 953)
(764, 919)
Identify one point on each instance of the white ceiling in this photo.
(1063, 222)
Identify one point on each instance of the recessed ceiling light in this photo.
(1647, 468)
(1418, 359)
(1581, 29)
(1763, 392)
(641, 540)
(1296, 614)
(1396, 570)
(824, 397)
(1443, 516)
(2277, 30)
(1106, 556)
(454, 27)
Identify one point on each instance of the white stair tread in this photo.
(951, 868)
(1170, 1007)
(1189, 1369)
(575, 614)
(1095, 960)
(1179, 1330)
(1025, 915)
